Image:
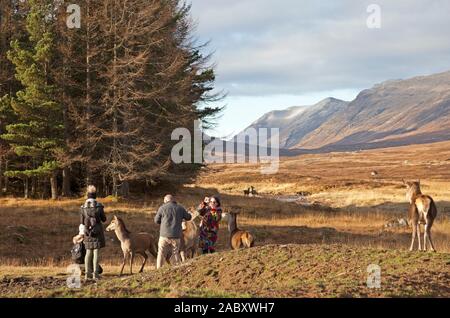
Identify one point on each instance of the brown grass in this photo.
(349, 207)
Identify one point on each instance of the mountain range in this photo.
(393, 113)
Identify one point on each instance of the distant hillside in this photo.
(392, 113)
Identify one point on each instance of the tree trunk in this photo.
(54, 186)
(66, 182)
(114, 187)
(6, 178)
(33, 187)
(25, 188)
(105, 186)
(125, 189)
(1, 176)
(88, 177)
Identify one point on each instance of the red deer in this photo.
(191, 234)
(238, 238)
(422, 210)
(133, 243)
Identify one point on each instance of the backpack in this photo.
(78, 252)
(90, 218)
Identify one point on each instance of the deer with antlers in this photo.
(238, 238)
(422, 210)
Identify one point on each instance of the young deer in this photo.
(422, 210)
(189, 242)
(238, 238)
(132, 243)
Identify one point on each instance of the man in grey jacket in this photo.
(170, 217)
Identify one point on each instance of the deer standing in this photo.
(191, 233)
(133, 243)
(238, 238)
(422, 210)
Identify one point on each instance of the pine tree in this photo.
(100, 101)
(38, 134)
(11, 25)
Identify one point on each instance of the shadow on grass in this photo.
(42, 235)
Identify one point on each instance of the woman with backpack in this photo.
(92, 215)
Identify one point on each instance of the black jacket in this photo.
(97, 239)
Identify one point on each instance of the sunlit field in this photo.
(343, 206)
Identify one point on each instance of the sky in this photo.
(274, 54)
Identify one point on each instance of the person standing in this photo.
(170, 217)
(211, 213)
(92, 215)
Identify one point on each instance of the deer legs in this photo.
(418, 236)
(416, 232)
(123, 262)
(145, 256)
(427, 236)
(131, 262)
(131, 259)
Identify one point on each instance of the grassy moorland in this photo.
(309, 270)
(319, 246)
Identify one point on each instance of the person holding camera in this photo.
(211, 213)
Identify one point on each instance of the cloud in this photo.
(267, 47)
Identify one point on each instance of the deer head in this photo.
(113, 225)
(413, 189)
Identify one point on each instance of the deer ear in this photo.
(404, 182)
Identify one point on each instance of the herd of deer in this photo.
(422, 210)
(133, 244)
(250, 192)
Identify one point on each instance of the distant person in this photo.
(92, 215)
(170, 217)
(211, 212)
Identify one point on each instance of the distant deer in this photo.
(238, 238)
(132, 243)
(253, 191)
(422, 210)
(247, 192)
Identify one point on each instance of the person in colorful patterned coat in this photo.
(211, 212)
